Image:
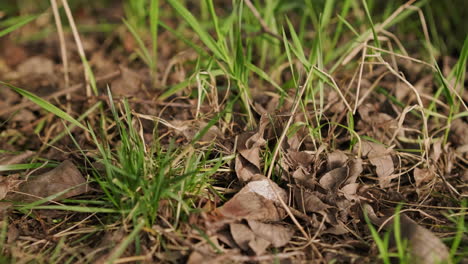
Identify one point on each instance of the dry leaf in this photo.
(308, 201)
(242, 235)
(354, 170)
(277, 235)
(425, 247)
(334, 178)
(9, 184)
(36, 65)
(303, 178)
(245, 170)
(381, 159)
(380, 124)
(336, 159)
(259, 245)
(300, 158)
(257, 200)
(422, 176)
(128, 83)
(459, 132)
(63, 177)
(225, 237)
(203, 253)
(349, 191)
(4, 209)
(337, 229)
(15, 159)
(13, 233)
(248, 148)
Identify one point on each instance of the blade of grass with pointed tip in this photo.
(144, 51)
(25, 166)
(369, 19)
(204, 36)
(17, 25)
(154, 21)
(120, 249)
(45, 105)
(266, 77)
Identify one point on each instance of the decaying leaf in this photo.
(259, 245)
(258, 236)
(381, 124)
(128, 83)
(65, 176)
(424, 246)
(242, 235)
(277, 235)
(349, 191)
(203, 252)
(336, 159)
(334, 178)
(36, 65)
(337, 229)
(6, 159)
(245, 170)
(354, 170)
(380, 157)
(257, 200)
(422, 176)
(308, 201)
(300, 158)
(8, 184)
(459, 132)
(248, 148)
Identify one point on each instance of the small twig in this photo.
(262, 22)
(266, 258)
(78, 42)
(63, 49)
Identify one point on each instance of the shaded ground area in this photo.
(233, 132)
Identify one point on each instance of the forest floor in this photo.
(232, 132)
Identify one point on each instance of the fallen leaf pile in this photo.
(323, 189)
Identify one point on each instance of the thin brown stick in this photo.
(78, 42)
(63, 48)
(268, 258)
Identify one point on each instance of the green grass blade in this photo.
(145, 53)
(89, 72)
(26, 166)
(46, 105)
(266, 77)
(154, 21)
(204, 36)
(369, 18)
(124, 244)
(18, 24)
